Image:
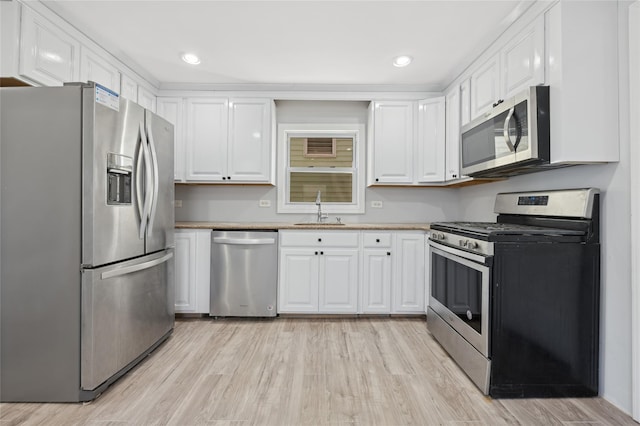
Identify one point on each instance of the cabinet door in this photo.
(484, 87)
(95, 68)
(146, 99)
(206, 144)
(431, 140)
(193, 271)
(452, 145)
(128, 88)
(48, 55)
(376, 281)
(408, 268)
(298, 282)
(338, 281)
(523, 59)
(393, 142)
(185, 282)
(249, 151)
(172, 110)
(465, 102)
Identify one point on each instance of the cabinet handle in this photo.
(377, 240)
(228, 177)
(316, 253)
(377, 180)
(319, 240)
(321, 252)
(224, 178)
(388, 253)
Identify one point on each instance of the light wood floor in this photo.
(367, 371)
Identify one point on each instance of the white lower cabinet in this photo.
(408, 273)
(298, 283)
(338, 284)
(192, 270)
(375, 288)
(343, 272)
(318, 272)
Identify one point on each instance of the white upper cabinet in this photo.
(465, 101)
(172, 110)
(128, 88)
(485, 86)
(431, 140)
(393, 142)
(95, 68)
(523, 60)
(48, 55)
(249, 152)
(408, 142)
(582, 74)
(517, 65)
(206, 147)
(229, 140)
(452, 145)
(146, 99)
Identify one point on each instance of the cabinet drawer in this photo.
(319, 239)
(377, 239)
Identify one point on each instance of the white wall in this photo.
(476, 203)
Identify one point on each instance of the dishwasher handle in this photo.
(244, 241)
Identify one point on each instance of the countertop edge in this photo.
(291, 226)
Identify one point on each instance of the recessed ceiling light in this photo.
(402, 61)
(191, 59)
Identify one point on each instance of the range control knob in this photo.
(438, 236)
(472, 245)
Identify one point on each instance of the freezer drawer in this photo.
(244, 273)
(126, 309)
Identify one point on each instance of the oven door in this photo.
(459, 292)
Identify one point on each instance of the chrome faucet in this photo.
(321, 216)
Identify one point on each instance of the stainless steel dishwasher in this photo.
(244, 273)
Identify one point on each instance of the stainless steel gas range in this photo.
(516, 302)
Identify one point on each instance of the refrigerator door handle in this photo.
(156, 183)
(144, 214)
(135, 268)
(139, 189)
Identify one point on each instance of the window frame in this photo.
(355, 131)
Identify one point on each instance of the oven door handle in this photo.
(458, 253)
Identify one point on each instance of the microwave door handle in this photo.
(505, 130)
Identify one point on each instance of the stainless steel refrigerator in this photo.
(87, 237)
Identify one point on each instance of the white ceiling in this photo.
(295, 42)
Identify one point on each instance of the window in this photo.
(324, 158)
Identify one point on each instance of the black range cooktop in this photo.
(492, 229)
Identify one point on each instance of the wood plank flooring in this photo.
(289, 371)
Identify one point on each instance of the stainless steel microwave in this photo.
(511, 139)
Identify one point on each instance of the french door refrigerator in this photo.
(87, 239)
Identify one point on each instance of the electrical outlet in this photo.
(177, 203)
(376, 204)
(264, 203)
